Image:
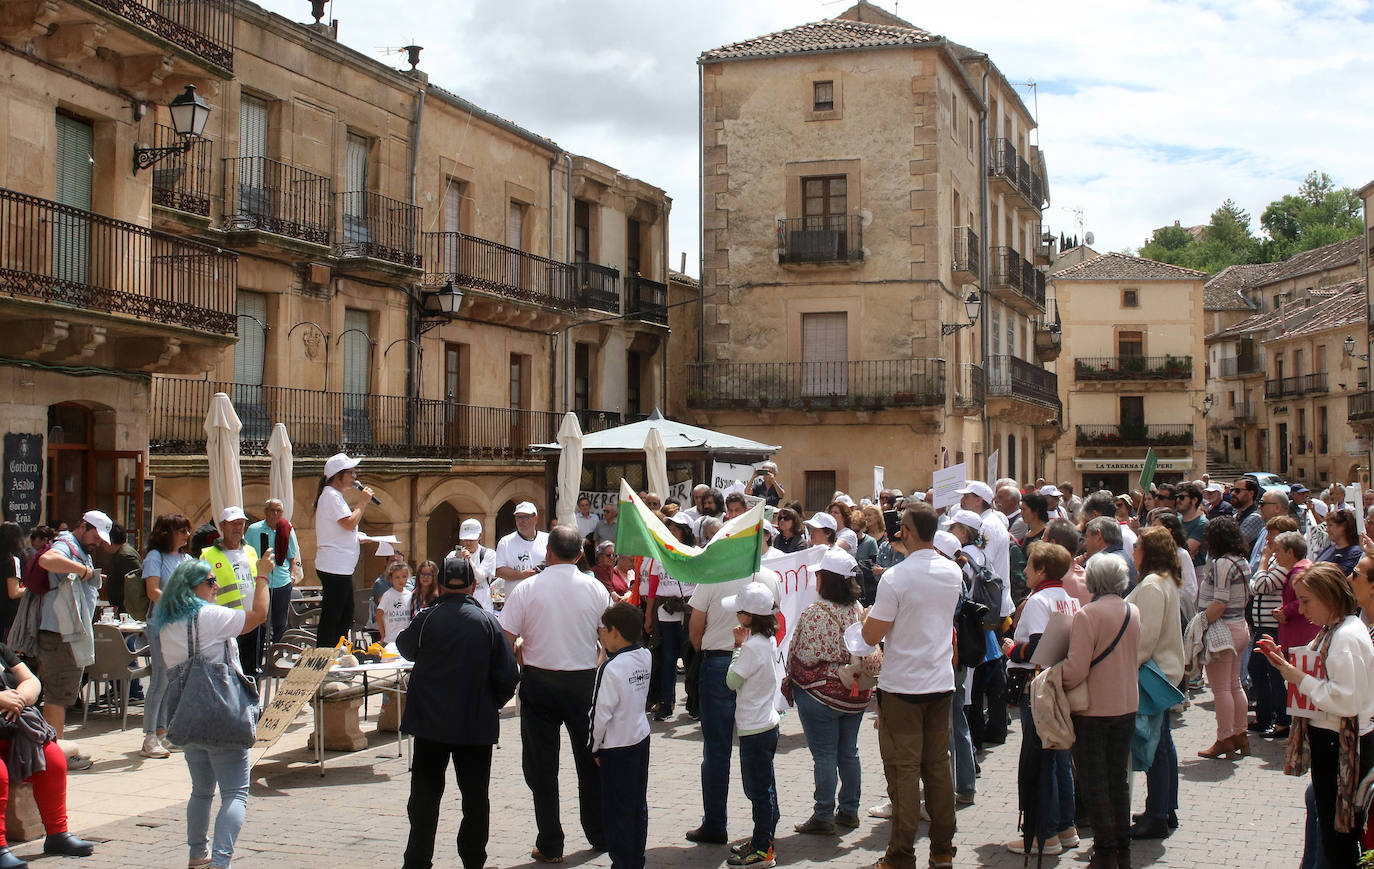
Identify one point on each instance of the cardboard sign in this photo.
(946, 482)
(678, 493)
(1354, 497)
(296, 690)
(1308, 661)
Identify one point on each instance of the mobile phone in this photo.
(892, 523)
(262, 544)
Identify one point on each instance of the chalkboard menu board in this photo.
(23, 479)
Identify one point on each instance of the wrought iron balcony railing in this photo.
(1134, 435)
(965, 252)
(470, 261)
(67, 256)
(646, 300)
(818, 385)
(598, 287)
(271, 196)
(970, 387)
(1007, 272)
(1239, 366)
(1360, 407)
(204, 27)
(378, 227)
(1002, 160)
(1286, 387)
(832, 238)
(1132, 368)
(182, 180)
(1013, 377)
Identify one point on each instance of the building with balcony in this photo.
(1360, 409)
(1130, 373)
(295, 257)
(857, 187)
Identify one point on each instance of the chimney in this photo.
(683, 270)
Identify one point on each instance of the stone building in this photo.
(1131, 373)
(861, 179)
(410, 277)
(1360, 410)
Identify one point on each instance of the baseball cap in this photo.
(770, 528)
(680, 518)
(471, 529)
(457, 572)
(1319, 507)
(102, 523)
(338, 462)
(755, 598)
(821, 520)
(1297, 489)
(845, 500)
(1051, 492)
(1215, 487)
(967, 517)
(229, 515)
(526, 508)
(947, 544)
(838, 561)
(976, 487)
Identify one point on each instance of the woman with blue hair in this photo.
(190, 595)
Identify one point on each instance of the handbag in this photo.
(212, 704)
(1078, 694)
(854, 676)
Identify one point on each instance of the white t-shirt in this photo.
(1035, 615)
(336, 547)
(484, 568)
(395, 607)
(756, 664)
(214, 625)
(556, 614)
(517, 553)
(586, 524)
(849, 541)
(667, 587)
(1128, 540)
(720, 622)
(1187, 595)
(998, 549)
(918, 596)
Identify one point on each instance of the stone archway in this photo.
(441, 532)
(505, 519)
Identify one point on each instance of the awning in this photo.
(1126, 465)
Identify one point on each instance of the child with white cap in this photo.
(753, 676)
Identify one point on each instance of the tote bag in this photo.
(211, 704)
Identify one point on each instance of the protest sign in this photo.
(994, 467)
(678, 493)
(295, 691)
(1354, 499)
(1308, 661)
(724, 474)
(946, 481)
(797, 571)
(878, 472)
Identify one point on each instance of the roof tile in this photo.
(830, 35)
(1120, 267)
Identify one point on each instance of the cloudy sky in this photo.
(1150, 110)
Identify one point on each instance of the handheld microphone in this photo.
(359, 487)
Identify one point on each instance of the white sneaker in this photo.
(168, 744)
(882, 810)
(153, 747)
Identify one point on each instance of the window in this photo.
(455, 372)
(823, 96)
(357, 351)
(825, 353)
(582, 376)
(996, 332)
(251, 350)
(1011, 334)
(1297, 363)
(634, 238)
(1130, 298)
(1278, 365)
(1231, 398)
(820, 485)
(1302, 431)
(954, 116)
(1132, 408)
(825, 201)
(1130, 344)
(582, 231)
(453, 205)
(1323, 433)
(1321, 358)
(633, 364)
(1011, 455)
(518, 367)
(355, 189)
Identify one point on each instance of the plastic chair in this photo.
(114, 663)
(273, 670)
(298, 637)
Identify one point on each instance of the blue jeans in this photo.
(1059, 813)
(833, 737)
(1161, 779)
(717, 739)
(154, 702)
(1313, 857)
(227, 768)
(960, 741)
(672, 637)
(756, 769)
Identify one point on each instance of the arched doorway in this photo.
(505, 520)
(85, 472)
(441, 534)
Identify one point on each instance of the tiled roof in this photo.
(677, 277)
(1120, 267)
(1329, 308)
(1222, 292)
(833, 34)
(1331, 256)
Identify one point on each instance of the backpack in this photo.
(136, 601)
(36, 577)
(969, 633)
(987, 590)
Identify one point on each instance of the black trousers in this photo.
(549, 701)
(251, 647)
(692, 679)
(1102, 757)
(990, 689)
(1342, 849)
(624, 796)
(336, 609)
(472, 769)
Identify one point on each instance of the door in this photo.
(519, 399)
(357, 365)
(75, 180)
(515, 240)
(254, 196)
(1132, 418)
(117, 490)
(822, 235)
(1283, 449)
(453, 224)
(825, 354)
(355, 190)
(250, 354)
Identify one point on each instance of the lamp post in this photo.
(189, 114)
(972, 306)
(1350, 350)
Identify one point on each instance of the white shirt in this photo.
(484, 569)
(336, 547)
(214, 625)
(667, 587)
(1348, 689)
(586, 524)
(918, 596)
(998, 549)
(556, 614)
(1035, 615)
(1187, 594)
(756, 664)
(622, 690)
(395, 607)
(720, 622)
(517, 553)
(1128, 540)
(847, 540)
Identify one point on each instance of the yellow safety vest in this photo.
(230, 594)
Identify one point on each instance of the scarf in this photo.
(1298, 757)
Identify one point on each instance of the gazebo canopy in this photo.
(677, 437)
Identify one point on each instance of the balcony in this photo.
(1289, 387)
(1021, 391)
(91, 290)
(181, 182)
(646, 300)
(323, 423)
(379, 236)
(868, 385)
(1002, 165)
(1361, 407)
(598, 287)
(1239, 366)
(1244, 413)
(970, 389)
(1016, 281)
(1044, 243)
(1098, 369)
(1049, 336)
(270, 206)
(835, 238)
(965, 263)
(1134, 435)
(203, 29)
(512, 287)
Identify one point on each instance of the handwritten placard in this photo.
(291, 695)
(1308, 661)
(946, 483)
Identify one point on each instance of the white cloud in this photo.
(1152, 110)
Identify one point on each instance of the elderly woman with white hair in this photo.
(1103, 645)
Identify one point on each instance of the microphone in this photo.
(359, 487)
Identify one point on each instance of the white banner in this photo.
(678, 493)
(994, 468)
(798, 573)
(725, 474)
(878, 472)
(946, 481)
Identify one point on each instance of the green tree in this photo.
(1225, 240)
(1320, 213)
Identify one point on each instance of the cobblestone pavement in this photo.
(1235, 814)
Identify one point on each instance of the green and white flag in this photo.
(1147, 473)
(733, 553)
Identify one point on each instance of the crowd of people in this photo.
(1067, 611)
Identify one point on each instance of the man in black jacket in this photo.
(465, 671)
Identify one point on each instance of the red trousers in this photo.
(49, 789)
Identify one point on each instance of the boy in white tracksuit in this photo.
(619, 734)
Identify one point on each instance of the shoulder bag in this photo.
(210, 704)
(1078, 694)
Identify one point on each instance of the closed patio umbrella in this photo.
(569, 469)
(279, 483)
(222, 428)
(656, 463)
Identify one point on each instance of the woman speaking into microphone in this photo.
(336, 546)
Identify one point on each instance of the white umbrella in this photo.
(656, 463)
(222, 427)
(569, 469)
(280, 484)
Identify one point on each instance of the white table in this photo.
(397, 665)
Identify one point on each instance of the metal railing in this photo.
(1239, 366)
(271, 196)
(323, 423)
(1303, 384)
(970, 387)
(1360, 407)
(1002, 160)
(965, 251)
(1013, 377)
(828, 238)
(1006, 269)
(598, 287)
(1244, 412)
(203, 27)
(1132, 368)
(378, 227)
(1037, 191)
(68, 256)
(1023, 177)
(1134, 435)
(646, 300)
(475, 262)
(182, 181)
(818, 385)
(598, 420)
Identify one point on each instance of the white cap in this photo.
(229, 515)
(967, 517)
(976, 487)
(1319, 507)
(755, 598)
(680, 518)
(1051, 492)
(526, 508)
(845, 500)
(770, 528)
(838, 561)
(822, 520)
(471, 529)
(919, 496)
(338, 462)
(947, 544)
(102, 523)
(1215, 487)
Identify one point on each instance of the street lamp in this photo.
(1206, 405)
(189, 114)
(972, 305)
(1350, 350)
(439, 306)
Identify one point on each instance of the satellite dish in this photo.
(1088, 239)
